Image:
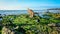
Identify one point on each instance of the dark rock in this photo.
(58, 24)
(22, 30)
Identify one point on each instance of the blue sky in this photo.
(24, 4)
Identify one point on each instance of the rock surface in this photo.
(6, 30)
(31, 13)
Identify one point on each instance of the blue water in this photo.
(17, 12)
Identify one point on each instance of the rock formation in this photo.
(31, 13)
(52, 24)
(6, 30)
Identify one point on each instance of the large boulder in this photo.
(31, 13)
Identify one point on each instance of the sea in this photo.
(18, 12)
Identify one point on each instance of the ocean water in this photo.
(17, 12)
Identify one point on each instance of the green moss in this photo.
(30, 24)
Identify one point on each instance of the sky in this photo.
(32, 4)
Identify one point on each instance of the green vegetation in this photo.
(35, 25)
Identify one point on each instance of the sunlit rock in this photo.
(52, 24)
(6, 30)
(31, 13)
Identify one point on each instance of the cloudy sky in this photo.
(24, 4)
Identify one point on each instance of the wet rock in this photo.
(58, 24)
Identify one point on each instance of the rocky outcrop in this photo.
(31, 13)
(16, 30)
(55, 26)
(6, 30)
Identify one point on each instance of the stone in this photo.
(31, 13)
(6, 30)
(52, 24)
(58, 24)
